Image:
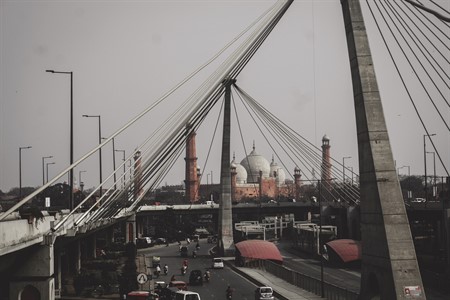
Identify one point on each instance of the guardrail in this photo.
(308, 283)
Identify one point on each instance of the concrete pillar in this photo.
(77, 257)
(130, 230)
(34, 276)
(226, 242)
(389, 265)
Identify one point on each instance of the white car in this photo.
(217, 263)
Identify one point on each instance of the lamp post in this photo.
(114, 162)
(50, 163)
(71, 134)
(123, 176)
(322, 287)
(99, 142)
(207, 187)
(43, 172)
(79, 178)
(425, 161)
(20, 169)
(343, 167)
(434, 171)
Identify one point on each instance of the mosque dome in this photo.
(254, 163)
(325, 138)
(275, 169)
(241, 173)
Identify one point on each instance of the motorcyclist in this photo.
(185, 263)
(166, 269)
(207, 275)
(194, 254)
(158, 270)
(229, 292)
(183, 270)
(197, 246)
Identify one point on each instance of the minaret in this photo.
(191, 181)
(297, 178)
(326, 163)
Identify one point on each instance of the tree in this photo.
(415, 184)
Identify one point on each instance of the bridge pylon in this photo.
(389, 264)
(225, 240)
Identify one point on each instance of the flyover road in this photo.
(349, 278)
(220, 278)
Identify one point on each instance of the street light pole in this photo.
(425, 161)
(124, 170)
(51, 163)
(322, 287)
(79, 175)
(71, 134)
(99, 142)
(434, 171)
(343, 167)
(114, 162)
(43, 172)
(20, 169)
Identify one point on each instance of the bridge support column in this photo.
(130, 232)
(33, 279)
(226, 245)
(389, 265)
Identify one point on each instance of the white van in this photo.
(187, 295)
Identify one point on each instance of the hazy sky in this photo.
(126, 54)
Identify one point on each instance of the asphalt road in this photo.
(220, 278)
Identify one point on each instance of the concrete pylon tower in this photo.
(191, 181)
(226, 241)
(389, 265)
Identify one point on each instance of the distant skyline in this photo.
(125, 55)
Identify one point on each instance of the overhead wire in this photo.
(403, 82)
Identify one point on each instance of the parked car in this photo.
(181, 285)
(264, 293)
(217, 263)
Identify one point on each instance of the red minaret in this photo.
(191, 181)
(326, 162)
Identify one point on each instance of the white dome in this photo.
(254, 163)
(241, 173)
(281, 176)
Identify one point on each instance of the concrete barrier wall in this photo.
(22, 233)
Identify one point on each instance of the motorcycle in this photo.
(166, 270)
(207, 277)
(194, 254)
(183, 270)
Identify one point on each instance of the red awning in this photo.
(347, 250)
(258, 249)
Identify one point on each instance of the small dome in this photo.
(241, 173)
(241, 176)
(296, 169)
(253, 164)
(325, 138)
